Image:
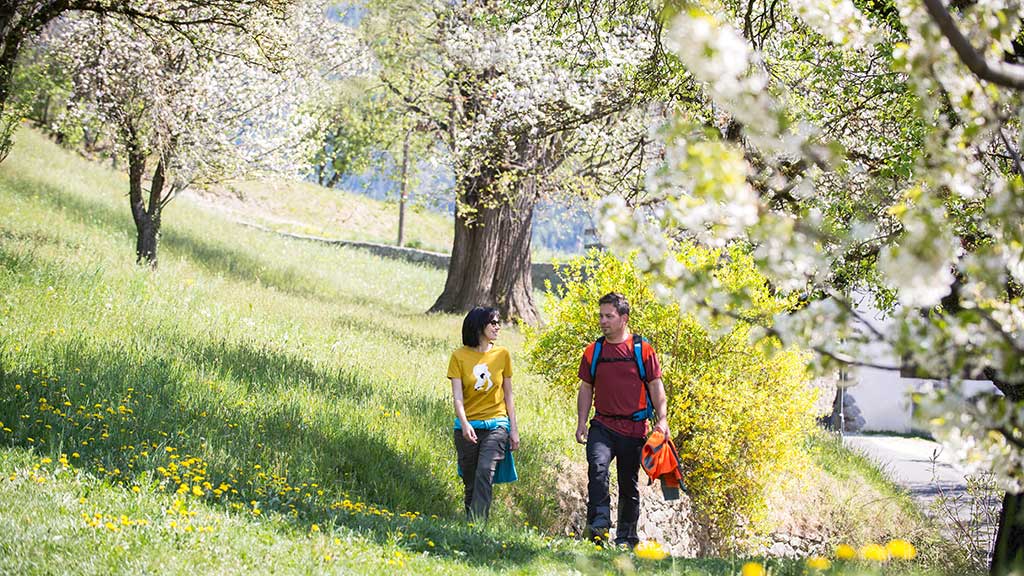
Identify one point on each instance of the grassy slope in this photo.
(257, 404)
(306, 208)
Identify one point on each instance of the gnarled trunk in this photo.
(491, 260)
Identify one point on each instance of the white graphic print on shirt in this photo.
(483, 376)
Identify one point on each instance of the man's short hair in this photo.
(617, 300)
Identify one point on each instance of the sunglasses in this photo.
(495, 322)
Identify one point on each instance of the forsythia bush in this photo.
(737, 411)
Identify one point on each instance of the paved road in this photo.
(909, 462)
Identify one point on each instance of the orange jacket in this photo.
(661, 462)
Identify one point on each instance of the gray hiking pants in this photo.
(478, 462)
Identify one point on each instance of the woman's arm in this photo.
(510, 407)
(460, 411)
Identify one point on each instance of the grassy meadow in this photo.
(306, 208)
(255, 405)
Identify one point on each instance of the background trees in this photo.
(189, 108)
(23, 20)
(528, 99)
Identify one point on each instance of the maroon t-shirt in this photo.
(618, 389)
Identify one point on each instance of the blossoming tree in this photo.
(22, 20)
(218, 103)
(860, 150)
(528, 98)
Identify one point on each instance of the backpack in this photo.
(643, 413)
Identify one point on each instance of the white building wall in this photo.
(883, 396)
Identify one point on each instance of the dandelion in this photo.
(314, 528)
(650, 550)
(752, 569)
(875, 553)
(846, 552)
(818, 563)
(901, 549)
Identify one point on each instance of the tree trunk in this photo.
(1009, 549)
(491, 264)
(491, 261)
(403, 193)
(147, 219)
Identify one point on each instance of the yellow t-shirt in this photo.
(482, 374)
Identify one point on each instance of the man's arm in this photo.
(584, 399)
(657, 391)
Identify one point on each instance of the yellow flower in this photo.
(197, 490)
(650, 550)
(846, 552)
(818, 563)
(901, 549)
(752, 569)
(314, 528)
(875, 553)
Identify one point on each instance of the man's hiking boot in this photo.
(598, 536)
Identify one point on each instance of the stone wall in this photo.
(541, 271)
(672, 523)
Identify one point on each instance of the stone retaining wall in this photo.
(672, 523)
(540, 271)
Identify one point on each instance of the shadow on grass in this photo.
(212, 256)
(115, 424)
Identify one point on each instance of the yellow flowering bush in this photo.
(738, 413)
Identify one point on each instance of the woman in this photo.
(485, 413)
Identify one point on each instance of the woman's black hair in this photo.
(474, 324)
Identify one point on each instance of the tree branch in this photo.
(1008, 75)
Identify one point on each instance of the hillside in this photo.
(307, 208)
(255, 405)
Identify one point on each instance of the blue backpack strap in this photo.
(638, 355)
(648, 412)
(593, 361)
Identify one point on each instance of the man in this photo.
(615, 386)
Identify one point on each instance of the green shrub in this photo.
(738, 412)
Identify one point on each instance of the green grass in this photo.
(306, 208)
(255, 405)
